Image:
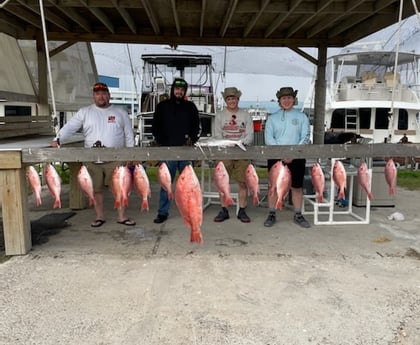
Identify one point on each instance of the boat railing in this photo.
(349, 89)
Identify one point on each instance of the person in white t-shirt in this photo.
(102, 125)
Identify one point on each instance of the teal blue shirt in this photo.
(287, 128)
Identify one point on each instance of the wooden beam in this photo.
(255, 18)
(176, 17)
(98, 13)
(126, 16)
(228, 17)
(37, 155)
(73, 15)
(152, 16)
(202, 16)
(280, 19)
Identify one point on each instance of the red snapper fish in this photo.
(54, 184)
(318, 181)
(189, 200)
(340, 178)
(364, 179)
(221, 181)
(391, 175)
(251, 179)
(121, 185)
(272, 178)
(164, 179)
(86, 185)
(283, 184)
(142, 186)
(35, 182)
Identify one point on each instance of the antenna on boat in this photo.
(397, 51)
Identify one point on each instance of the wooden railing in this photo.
(14, 126)
(13, 189)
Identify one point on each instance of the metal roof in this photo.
(293, 23)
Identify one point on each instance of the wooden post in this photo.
(14, 196)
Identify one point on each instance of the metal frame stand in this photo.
(330, 205)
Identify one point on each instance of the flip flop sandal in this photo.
(127, 221)
(97, 223)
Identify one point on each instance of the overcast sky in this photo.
(257, 72)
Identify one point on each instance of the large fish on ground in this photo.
(391, 175)
(54, 184)
(283, 184)
(189, 200)
(364, 179)
(221, 181)
(340, 178)
(252, 182)
(318, 181)
(35, 183)
(121, 183)
(142, 186)
(164, 179)
(86, 185)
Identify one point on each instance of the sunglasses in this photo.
(180, 83)
(100, 87)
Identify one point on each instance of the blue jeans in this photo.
(164, 202)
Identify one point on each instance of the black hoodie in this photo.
(176, 121)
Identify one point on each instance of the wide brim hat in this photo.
(286, 91)
(231, 92)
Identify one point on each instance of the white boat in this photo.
(159, 70)
(375, 94)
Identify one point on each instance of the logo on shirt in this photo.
(111, 118)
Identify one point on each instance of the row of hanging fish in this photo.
(340, 179)
(53, 181)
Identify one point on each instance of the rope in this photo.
(47, 55)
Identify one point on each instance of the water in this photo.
(271, 106)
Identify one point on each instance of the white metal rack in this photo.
(329, 208)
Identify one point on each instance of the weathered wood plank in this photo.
(213, 153)
(77, 201)
(15, 213)
(10, 159)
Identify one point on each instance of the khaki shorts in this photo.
(237, 169)
(101, 174)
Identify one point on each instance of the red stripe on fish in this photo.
(363, 178)
(35, 183)
(86, 185)
(252, 182)
(54, 184)
(318, 181)
(340, 178)
(142, 186)
(391, 176)
(221, 181)
(189, 200)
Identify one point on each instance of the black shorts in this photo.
(297, 168)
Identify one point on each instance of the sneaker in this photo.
(242, 216)
(222, 215)
(271, 220)
(160, 218)
(301, 221)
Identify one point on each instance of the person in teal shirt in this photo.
(288, 126)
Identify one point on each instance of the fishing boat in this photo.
(159, 70)
(374, 94)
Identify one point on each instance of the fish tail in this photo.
(370, 196)
(57, 203)
(170, 195)
(228, 201)
(145, 205)
(256, 200)
(117, 203)
(38, 200)
(92, 202)
(391, 190)
(341, 194)
(196, 236)
(320, 197)
(279, 204)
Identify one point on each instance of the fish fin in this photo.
(57, 203)
(256, 200)
(320, 198)
(196, 236)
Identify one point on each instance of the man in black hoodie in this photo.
(175, 123)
